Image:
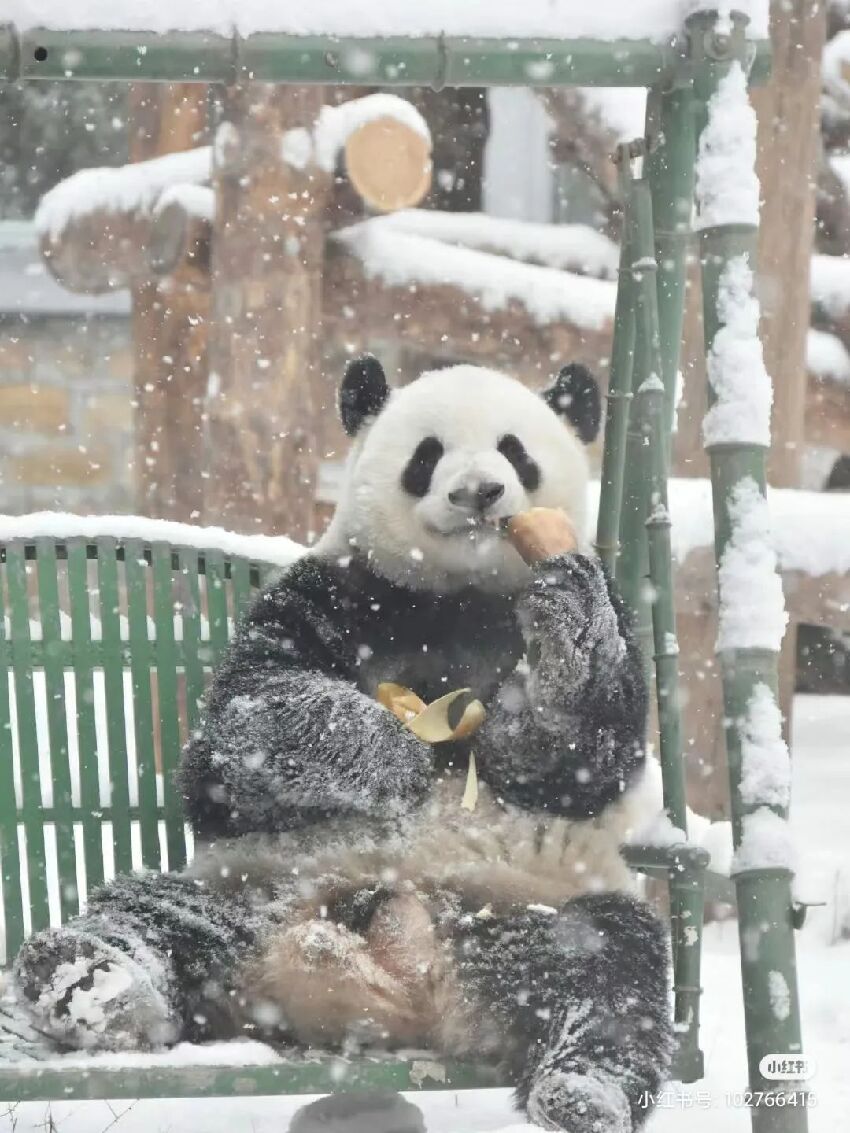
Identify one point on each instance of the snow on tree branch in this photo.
(752, 607)
(727, 186)
(736, 370)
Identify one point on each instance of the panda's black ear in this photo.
(363, 391)
(575, 397)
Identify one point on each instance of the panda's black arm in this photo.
(286, 737)
(567, 735)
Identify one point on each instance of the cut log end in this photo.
(178, 237)
(389, 164)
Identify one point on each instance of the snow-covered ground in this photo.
(821, 774)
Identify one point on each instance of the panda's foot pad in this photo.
(579, 1103)
(87, 995)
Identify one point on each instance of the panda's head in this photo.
(437, 464)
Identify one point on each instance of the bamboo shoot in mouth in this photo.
(541, 533)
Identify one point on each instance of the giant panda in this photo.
(343, 893)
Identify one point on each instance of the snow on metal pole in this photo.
(752, 617)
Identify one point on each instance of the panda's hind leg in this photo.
(156, 958)
(580, 995)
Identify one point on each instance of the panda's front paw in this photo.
(88, 995)
(579, 1103)
(567, 606)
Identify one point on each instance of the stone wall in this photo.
(66, 415)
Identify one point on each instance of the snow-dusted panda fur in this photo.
(340, 891)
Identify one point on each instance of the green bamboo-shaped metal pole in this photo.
(670, 172)
(619, 395)
(763, 883)
(632, 562)
(651, 421)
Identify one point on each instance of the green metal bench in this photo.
(633, 536)
(106, 646)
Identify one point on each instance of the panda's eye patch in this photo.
(514, 451)
(416, 478)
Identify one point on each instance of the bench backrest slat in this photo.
(109, 647)
(194, 649)
(10, 857)
(216, 604)
(136, 579)
(27, 734)
(168, 705)
(114, 695)
(47, 576)
(84, 697)
(240, 575)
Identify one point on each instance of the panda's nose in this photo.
(479, 498)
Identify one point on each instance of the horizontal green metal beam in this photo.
(205, 57)
(34, 1081)
(661, 861)
(206, 653)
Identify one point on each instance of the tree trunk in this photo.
(170, 320)
(788, 145)
(265, 382)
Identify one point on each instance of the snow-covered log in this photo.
(401, 259)
(95, 226)
(386, 146)
(108, 228)
(440, 318)
(568, 247)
